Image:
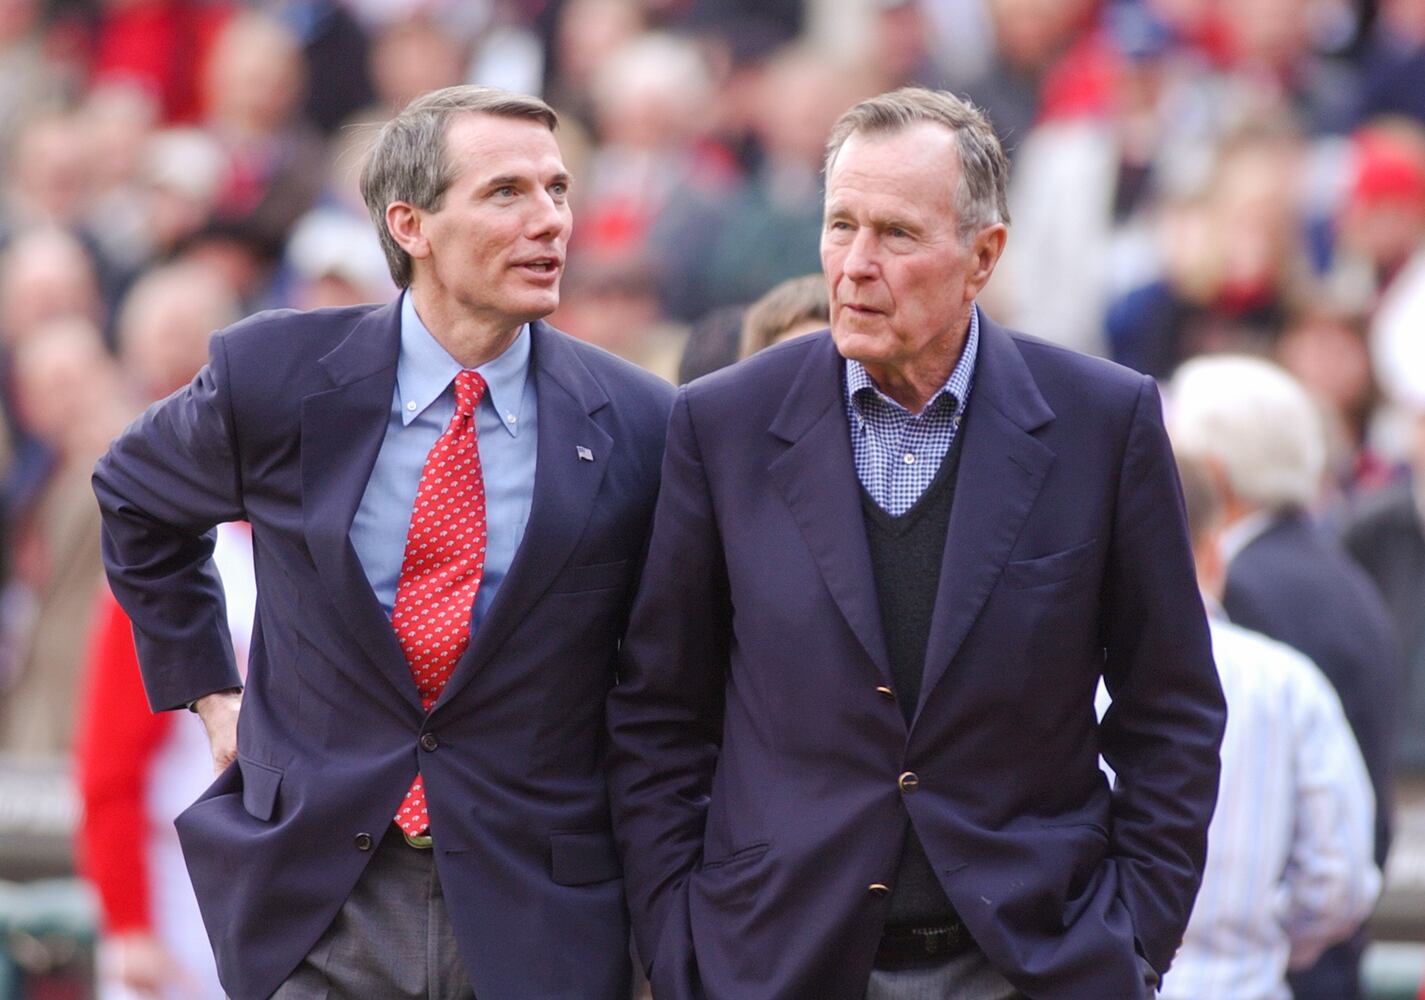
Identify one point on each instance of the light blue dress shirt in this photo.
(421, 408)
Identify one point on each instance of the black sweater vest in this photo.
(906, 554)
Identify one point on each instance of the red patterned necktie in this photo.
(441, 570)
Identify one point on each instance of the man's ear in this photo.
(403, 222)
(985, 249)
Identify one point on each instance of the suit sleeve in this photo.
(665, 714)
(162, 486)
(1162, 734)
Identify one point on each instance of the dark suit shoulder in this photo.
(1055, 366)
(292, 332)
(769, 371)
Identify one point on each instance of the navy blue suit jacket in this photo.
(755, 763)
(1300, 587)
(281, 428)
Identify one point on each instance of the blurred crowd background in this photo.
(1189, 177)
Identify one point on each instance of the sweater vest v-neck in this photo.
(906, 555)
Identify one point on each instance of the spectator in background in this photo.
(334, 260)
(1380, 222)
(116, 122)
(335, 51)
(409, 57)
(178, 186)
(795, 307)
(730, 251)
(1289, 866)
(586, 36)
(1261, 437)
(252, 91)
(164, 324)
(1028, 36)
(657, 186)
(1384, 229)
(713, 342)
(1266, 64)
(1115, 138)
(48, 177)
(68, 393)
(136, 770)
(1232, 261)
(1324, 347)
(32, 79)
(45, 276)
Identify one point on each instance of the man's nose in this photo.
(860, 262)
(547, 218)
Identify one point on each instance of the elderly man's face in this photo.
(900, 279)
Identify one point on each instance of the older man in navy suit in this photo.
(854, 744)
(449, 504)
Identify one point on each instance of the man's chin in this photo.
(856, 345)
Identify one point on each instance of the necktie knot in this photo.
(469, 388)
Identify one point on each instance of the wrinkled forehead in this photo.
(923, 142)
(918, 163)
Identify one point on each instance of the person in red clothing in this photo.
(137, 770)
(161, 46)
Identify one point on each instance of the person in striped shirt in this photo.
(1289, 868)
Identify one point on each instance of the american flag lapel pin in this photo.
(585, 455)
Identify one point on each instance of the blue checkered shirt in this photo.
(897, 453)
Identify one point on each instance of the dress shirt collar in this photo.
(425, 369)
(862, 389)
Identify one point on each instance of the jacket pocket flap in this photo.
(1022, 574)
(583, 858)
(259, 788)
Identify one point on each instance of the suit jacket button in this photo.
(429, 742)
(886, 693)
(909, 782)
(877, 889)
(363, 841)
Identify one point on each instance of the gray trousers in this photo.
(392, 938)
(965, 977)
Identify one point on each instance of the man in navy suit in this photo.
(854, 744)
(325, 430)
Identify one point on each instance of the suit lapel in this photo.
(816, 476)
(565, 485)
(1002, 467)
(342, 430)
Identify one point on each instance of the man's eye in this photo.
(559, 190)
(505, 192)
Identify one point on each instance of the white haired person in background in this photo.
(1289, 869)
(1262, 440)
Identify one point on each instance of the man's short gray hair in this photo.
(1256, 422)
(981, 198)
(407, 161)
